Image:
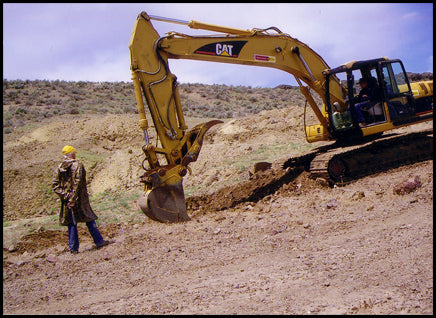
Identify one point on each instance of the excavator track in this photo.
(342, 165)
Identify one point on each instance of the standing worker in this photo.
(69, 183)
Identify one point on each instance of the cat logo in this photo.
(225, 49)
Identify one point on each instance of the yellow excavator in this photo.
(342, 116)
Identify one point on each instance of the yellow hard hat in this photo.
(68, 149)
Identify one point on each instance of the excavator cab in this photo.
(393, 103)
(344, 122)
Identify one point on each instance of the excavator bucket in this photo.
(165, 204)
(165, 201)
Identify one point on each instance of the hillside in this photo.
(305, 249)
(27, 102)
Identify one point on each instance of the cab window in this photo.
(395, 80)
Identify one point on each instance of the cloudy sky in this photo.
(89, 42)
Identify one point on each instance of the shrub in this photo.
(81, 84)
(18, 84)
(20, 111)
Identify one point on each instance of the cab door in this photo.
(396, 88)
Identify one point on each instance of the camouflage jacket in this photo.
(69, 183)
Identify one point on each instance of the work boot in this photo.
(102, 243)
(74, 251)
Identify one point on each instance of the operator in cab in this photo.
(368, 96)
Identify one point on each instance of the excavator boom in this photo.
(154, 83)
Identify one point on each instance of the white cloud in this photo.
(411, 15)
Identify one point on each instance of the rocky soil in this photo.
(365, 248)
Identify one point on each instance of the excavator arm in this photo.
(153, 81)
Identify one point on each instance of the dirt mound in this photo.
(43, 239)
(257, 187)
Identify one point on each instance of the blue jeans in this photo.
(359, 107)
(73, 235)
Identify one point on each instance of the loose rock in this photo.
(322, 182)
(332, 204)
(408, 185)
(358, 195)
(12, 248)
(51, 258)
